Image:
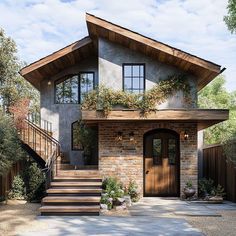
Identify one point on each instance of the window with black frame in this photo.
(66, 90)
(134, 78)
(86, 83)
(73, 88)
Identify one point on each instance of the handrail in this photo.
(36, 119)
(47, 147)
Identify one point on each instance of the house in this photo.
(158, 150)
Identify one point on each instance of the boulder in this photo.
(128, 201)
(104, 207)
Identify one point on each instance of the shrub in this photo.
(35, 182)
(113, 188)
(218, 191)
(18, 188)
(10, 148)
(106, 200)
(205, 186)
(132, 191)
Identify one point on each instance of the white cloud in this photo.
(42, 26)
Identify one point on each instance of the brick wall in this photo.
(124, 159)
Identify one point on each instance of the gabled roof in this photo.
(50, 65)
(203, 69)
(57, 61)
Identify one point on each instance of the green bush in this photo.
(132, 191)
(106, 200)
(18, 188)
(205, 186)
(10, 148)
(35, 182)
(113, 188)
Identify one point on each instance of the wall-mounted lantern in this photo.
(186, 135)
(119, 136)
(131, 136)
(49, 82)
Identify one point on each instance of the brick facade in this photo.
(124, 159)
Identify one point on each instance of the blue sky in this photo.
(40, 27)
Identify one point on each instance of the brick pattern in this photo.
(124, 159)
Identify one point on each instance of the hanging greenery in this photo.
(106, 98)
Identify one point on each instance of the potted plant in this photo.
(189, 190)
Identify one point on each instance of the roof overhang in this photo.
(58, 61)
(203, 117)
(204, 70)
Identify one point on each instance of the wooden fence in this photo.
(6, 180)
(223, 171)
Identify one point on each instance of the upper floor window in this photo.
(86, 83)
(73, 88)
(134, 78)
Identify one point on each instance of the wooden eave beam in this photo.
(98, 22)
(56, 55)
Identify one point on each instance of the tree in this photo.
(10, 148)
(230, 19)
(215, 95)
(12, 86)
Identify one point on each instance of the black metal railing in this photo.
(36, 119)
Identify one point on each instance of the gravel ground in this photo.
(216, 226)
(17, 218)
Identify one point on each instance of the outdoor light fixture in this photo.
(49, 82)
(131, 136)
(119, 136)
(186, 136)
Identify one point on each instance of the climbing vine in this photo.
(106, 98)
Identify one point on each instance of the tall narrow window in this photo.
(75, 142)
(67, 90)
(86, 83)
(134, 78)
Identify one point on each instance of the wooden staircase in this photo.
(73, 192)
(69, 191)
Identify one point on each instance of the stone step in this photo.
(74, 190)
(71, 199)
(76, 184)
(78, 173)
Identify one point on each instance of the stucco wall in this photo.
(111, 58)
(63, 115)
(124, 159)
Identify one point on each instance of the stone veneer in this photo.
(124, 159)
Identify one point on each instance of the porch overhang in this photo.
(203, 117)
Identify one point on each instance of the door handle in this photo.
(147, 172)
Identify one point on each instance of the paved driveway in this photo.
(151, 216)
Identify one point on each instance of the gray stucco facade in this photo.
(108, 71)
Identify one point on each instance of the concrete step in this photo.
(78, 173)
(71, 199)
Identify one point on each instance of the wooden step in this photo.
(68, 199)
(78, 178)
(75, 184)
(73, 190)
(69, 209)
(78, 173)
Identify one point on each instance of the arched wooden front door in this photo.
(161, 163)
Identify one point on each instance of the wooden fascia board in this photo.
(152, 43)
(56, 55)
(160, 115)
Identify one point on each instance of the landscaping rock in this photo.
(104, 207)
(128, 201)
(120, 200)
(121, 207)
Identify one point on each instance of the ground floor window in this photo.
(75, 142)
